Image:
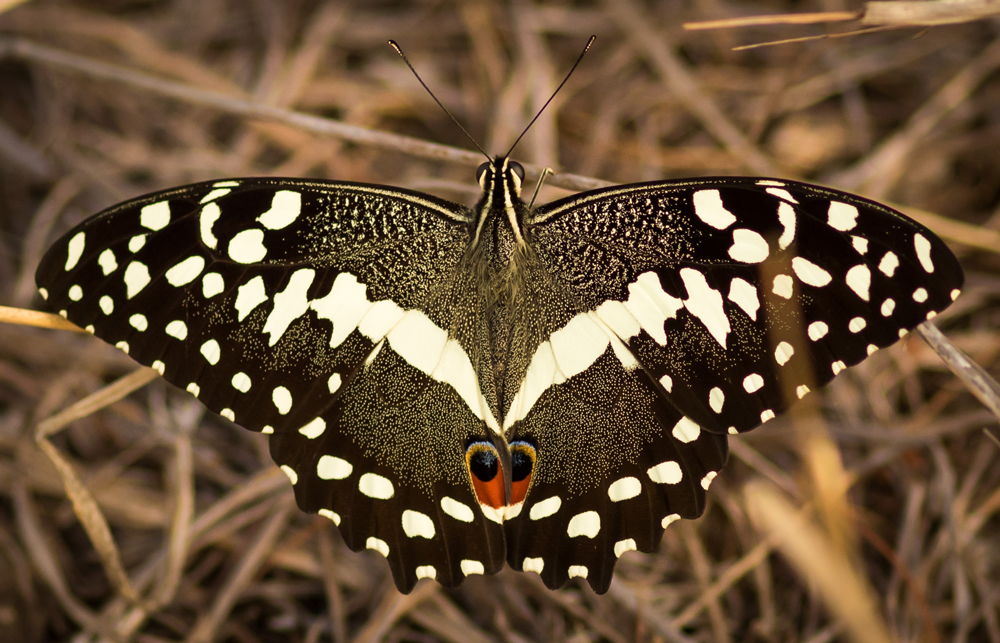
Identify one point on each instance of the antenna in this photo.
(572, 69)
(392, 43)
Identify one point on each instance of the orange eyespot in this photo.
(484, 468)
(522, 455)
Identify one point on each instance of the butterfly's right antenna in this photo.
(583, 53)
(392, 43)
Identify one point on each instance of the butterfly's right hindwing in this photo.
(317, 312)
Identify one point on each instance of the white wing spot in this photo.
(667, 383)
(158, 366)
(74, 250)
(781, 194)
(842, 216)
(668, 472)
(667, 520)
(887, 307)
(859, 279)
(107, 305)
(860, 244)
(748, 246)
(817, 330)
(931, 315)
(705, 303)
(89, 328)
(136, 278)
(378, 545)
(732, 431)
(708, 207)
(923, 248)
(545, 508)
(707, 480)
(888, 264)
(138, 322)
(136, 243)
(75, 292)
(375, 486)
(766, 414)
(920, 295)
(314, 428)
(193, 389)
(333, 384)
(177, 329)
(686, 430)
(744, 294)
(107, 262)
(533, 565)
(211, 351)
(857, 324)
(214, 194)
(282, 399)
(289, 304)
(770, 182)
(267, 430)
(783, 352)
(837, 366)
(903, 333)
(457, 510)
(241, 382)
(122, 346)
(331, 467)
(716, 398)
(45, 293)
(577, 571)
(810, 273)
(587, 523)
(783, 286)
(624, 488)
(249, 296)
(155, 216)
(871, 349)
(186, 271)
(417, 524)
(333, 516)
(801, 390)
(290, 472)
(285, 209)
(786, 217)
(212, 284)
(753, 383)
(470, 567)
(229, 415)
(426, 571)
(206, 220)
(954, 294)
(651, 306)
(248, 246)
(623, 546)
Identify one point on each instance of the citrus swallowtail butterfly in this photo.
(458, 388)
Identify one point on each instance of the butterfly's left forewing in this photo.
(329, 315)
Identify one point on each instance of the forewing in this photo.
(725, 300)
(325, 314)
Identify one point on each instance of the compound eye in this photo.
(518, 169)
(480, 171)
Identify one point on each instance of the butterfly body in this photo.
(458, 388)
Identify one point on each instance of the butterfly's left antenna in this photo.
(583, 53)
(394, 45)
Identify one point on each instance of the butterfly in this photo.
(458, 388)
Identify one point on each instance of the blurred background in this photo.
(872, 515)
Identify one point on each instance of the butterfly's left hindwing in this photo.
(318, 313)
(703, 308)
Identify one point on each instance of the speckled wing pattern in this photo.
(310, 311)
(707, 307)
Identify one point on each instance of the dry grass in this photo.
(871, 515)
